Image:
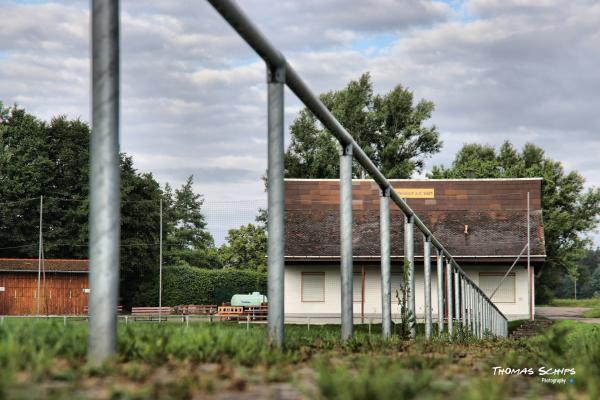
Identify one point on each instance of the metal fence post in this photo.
(275, 244)
(449, 299)
(440, 291)
(346, 265)
(409, 253)
(467, 289)
(456, 298)
(104, 217)
(463, 305)
(481, 316)
(386, 285)
(427, 276)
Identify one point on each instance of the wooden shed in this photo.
(64, 287)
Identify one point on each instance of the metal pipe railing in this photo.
(427, 277)
(409, 254)
(346, 264)
(105, 183)
(440, 290)
(105, 188)
(386, 282)
(275, 226)
(274, 59)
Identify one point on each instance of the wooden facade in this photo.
(63, 292)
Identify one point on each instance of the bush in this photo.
(190, 285)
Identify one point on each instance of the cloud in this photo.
(194, 94)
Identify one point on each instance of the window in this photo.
(488, 282)
(313, 286)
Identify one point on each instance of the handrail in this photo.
(274, 59)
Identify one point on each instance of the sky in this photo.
(194, 94)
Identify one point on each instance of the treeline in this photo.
(38, 158)
(51, 159)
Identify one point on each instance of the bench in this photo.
(87, 311)
(150, 312)
(194, 309)
(229, 312)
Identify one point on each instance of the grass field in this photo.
(44, 359)
(593, 313)
(592, 303)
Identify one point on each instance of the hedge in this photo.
(190, 285)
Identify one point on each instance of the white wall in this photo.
(332, 298)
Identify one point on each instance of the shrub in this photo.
(190, 285)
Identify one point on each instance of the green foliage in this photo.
(389, 128)
(246, 248)
(52, 159)
(188, 242)
(569, 211)
(368, 379)
(175, 361)
(189, 285)
(593, 313)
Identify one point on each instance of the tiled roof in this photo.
(50, 265)
(494, 210)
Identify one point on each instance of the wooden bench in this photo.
(150, 312)
(87, 311)
(229, 312)
(194, 309)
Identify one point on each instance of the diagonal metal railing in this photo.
(464, 303)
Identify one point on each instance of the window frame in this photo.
(302, 286)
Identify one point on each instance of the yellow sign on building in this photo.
(416, 193)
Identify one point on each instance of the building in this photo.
(64, 291)
(481, 222)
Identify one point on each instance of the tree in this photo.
(246, 247)
(52, 160)
(389, 128)
(569, 211)
(188, 242)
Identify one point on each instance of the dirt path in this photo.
(569, 313)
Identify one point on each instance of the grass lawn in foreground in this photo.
(45, 359)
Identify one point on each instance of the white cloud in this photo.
(194, 94)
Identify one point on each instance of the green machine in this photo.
(253, 299)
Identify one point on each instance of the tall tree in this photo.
(569, 211)
(52, 160)
(188, 241)
(389, 128)
(246, 247)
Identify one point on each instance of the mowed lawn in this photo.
(46, 359)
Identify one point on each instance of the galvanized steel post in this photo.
(481, 317)
(409, 253)
(427, 274)
(346, 267)
(104, 236)
(440, 291)
(468, 306)
(275, 238)
(463, 305)
(386, 286)
(456, 298)
(449, 298)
